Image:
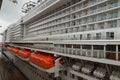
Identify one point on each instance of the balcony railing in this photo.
(82, 52)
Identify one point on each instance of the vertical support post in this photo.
(72, 48)
(54, 47)
(69, 74)
(65, 51)
(80, 49)
(96, 25)
(57, 67)
(59, 48)
(118, 21)
(91, 50)
(104, 51)
(108, 69)
(106, 25)
(116, 52)
(24, 31)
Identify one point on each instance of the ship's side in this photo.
(80, 36)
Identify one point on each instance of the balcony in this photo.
(81, 52)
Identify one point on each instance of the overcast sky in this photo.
(10, 13)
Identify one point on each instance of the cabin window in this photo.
(113, 24)
(111, 48)
(103, 17)
(113, 4)
(98, 47)
(88, 36)
(68, 46)
(109, 35)
(98, 35)
(103, 7)
(119, 48)
(86, 46)
(81, 37)
(76, 46)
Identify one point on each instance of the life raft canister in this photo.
(43, 61)
(24, 53)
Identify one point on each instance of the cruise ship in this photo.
(67, 40)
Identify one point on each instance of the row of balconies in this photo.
(75, 28)
(96, 51)
(63, 15)
(82, 21)
(50, 19)
(88, 53)
(74, 22)
(69, 9)
(16, 38)
(78, 37)
(89, 35)
(82, 52)
(54, 31)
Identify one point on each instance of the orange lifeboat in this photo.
(14, 50)
(43, 61)
(24, 53)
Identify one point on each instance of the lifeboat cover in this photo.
(43, 61)
(24, 53)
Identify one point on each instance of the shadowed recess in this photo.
(0, 3)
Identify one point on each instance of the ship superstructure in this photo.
(79, 37)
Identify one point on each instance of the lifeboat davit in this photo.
(43, 61)
(14, 50)
(24, 53)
